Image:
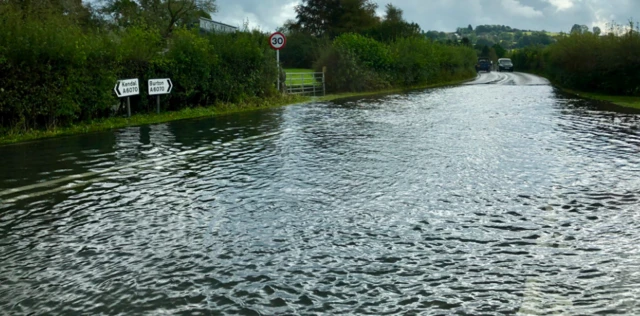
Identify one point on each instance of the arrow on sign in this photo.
(159, 86)
(127, 87)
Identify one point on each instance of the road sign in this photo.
(127, 87)
(160, 86)
(277, 40)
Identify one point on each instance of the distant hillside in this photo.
(489, 35)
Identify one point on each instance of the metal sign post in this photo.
(277, 41)
(158, 87)
(127, 88)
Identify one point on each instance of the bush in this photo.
(302, 50)
(51, 77)
(54, 78)
(358, 63)
(607, 64)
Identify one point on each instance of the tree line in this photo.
(589, 61)
(362, 51)
(60, 59)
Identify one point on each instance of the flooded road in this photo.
(498, 196)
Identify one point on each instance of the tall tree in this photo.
(71, 9)
(393, 14)
(394, 26)
(164, 14)
(500, 51)
(579, 29)
(333, 17)
(597, 31)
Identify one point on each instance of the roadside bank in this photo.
(198, 112)
(630, 102)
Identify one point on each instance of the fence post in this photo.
(314, 84)
(324, 89)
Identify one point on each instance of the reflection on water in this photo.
(472, 200)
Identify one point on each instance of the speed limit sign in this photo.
(277, 40)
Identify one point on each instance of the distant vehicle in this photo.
(484, 64)
(505, 64)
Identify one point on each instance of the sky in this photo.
(447, 15)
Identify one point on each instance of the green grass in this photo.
(298, 70)
(548, 33)
(150, 118)
(9, 137)
(625, 101)
(295, 76)
(619, 100)
(336, 96)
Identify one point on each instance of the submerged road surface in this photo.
(499, 196)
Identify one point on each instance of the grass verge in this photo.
(198, 112)
(150, 118)
(619, 100)
(625, 101)
(331, 97)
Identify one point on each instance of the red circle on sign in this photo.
(277, 40)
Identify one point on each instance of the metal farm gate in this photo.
(305, 83)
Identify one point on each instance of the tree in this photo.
(470, 28)
(163, 14)
(493, 56)
(393, 14)
(499, 50)
(481, 42)
(123, 12)
(485, 52)
(597, 31)
(393, 26)
(74, 10)
(579, 29)
(334, 17)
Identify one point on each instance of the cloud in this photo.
(518, 9)
(561, 5)
(447, 15)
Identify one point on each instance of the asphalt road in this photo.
(508, 78)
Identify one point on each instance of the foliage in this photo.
(320, 21)
(330, 18)
(53, 78)
(358, 63)
(165, 15)
(585, 61)
(393, 26)
(302, 49)
(489, 35)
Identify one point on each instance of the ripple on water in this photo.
(468, 200)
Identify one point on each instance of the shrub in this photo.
(358, 63)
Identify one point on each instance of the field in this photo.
(299, 76)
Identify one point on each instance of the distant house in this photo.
(207, 25)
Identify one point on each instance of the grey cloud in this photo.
(446, 15)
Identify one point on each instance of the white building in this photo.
(213, 26)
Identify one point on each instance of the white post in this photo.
(278, 63)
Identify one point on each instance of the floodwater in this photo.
(499, 196)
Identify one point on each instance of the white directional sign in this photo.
(127, 87)
(277, 40)
(159, 86)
